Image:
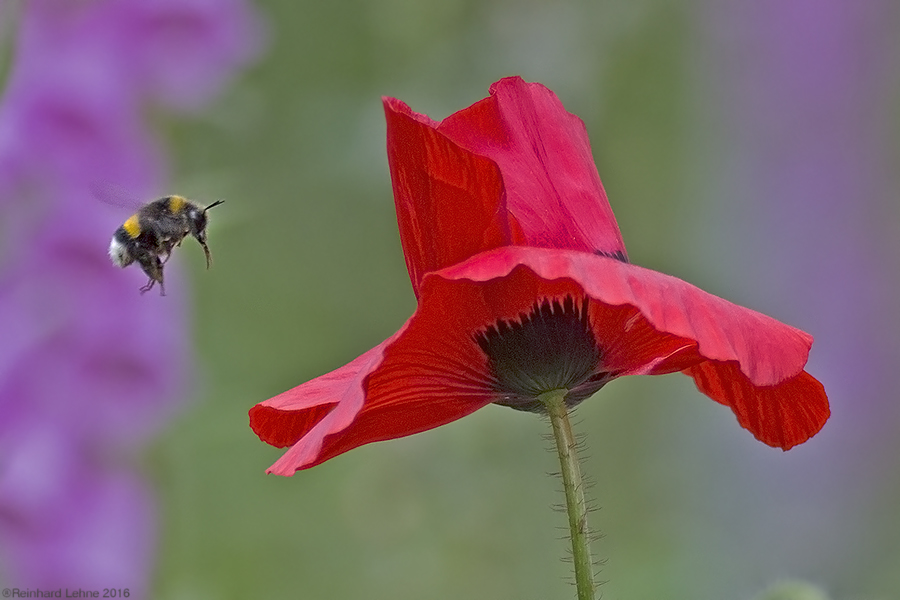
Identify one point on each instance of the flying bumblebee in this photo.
(149, 235)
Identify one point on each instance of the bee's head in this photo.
(197, 219)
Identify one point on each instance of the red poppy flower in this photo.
(523, 287)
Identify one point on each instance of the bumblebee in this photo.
(149, 236)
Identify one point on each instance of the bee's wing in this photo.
(115, 195)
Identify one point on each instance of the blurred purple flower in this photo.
(181, 52)
(89, 368)
(65, 120)
(806, 87)
(98, 534)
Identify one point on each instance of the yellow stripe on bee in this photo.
(132, 227)
(176, 203)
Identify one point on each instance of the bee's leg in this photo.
(149, 286)
(159, 272)
(154, 270)
(164, 248)
(206, 251)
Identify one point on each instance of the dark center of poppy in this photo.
(551, 347)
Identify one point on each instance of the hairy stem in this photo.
(576, 507)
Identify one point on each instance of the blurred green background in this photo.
(309, 273)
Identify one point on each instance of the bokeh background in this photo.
(750, 148)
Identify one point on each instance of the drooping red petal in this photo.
(767, 351)
(283, 427)
(409, 383)
(782, 415)
(301, 417)
(433, 372)
(449, 201)
(650, 323)
(429, 373)
(544, 155)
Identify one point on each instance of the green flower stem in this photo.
(576, 507)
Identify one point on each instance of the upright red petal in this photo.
(551, 181)
(449, 201)
(513, 169)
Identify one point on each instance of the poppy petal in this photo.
(433, 372)
(551, 182)
(651, 323)
(301, 417)
(513, 169)
(407, 384)
(428, 374)
(767, 351)
(450, 203)
(781, 416)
